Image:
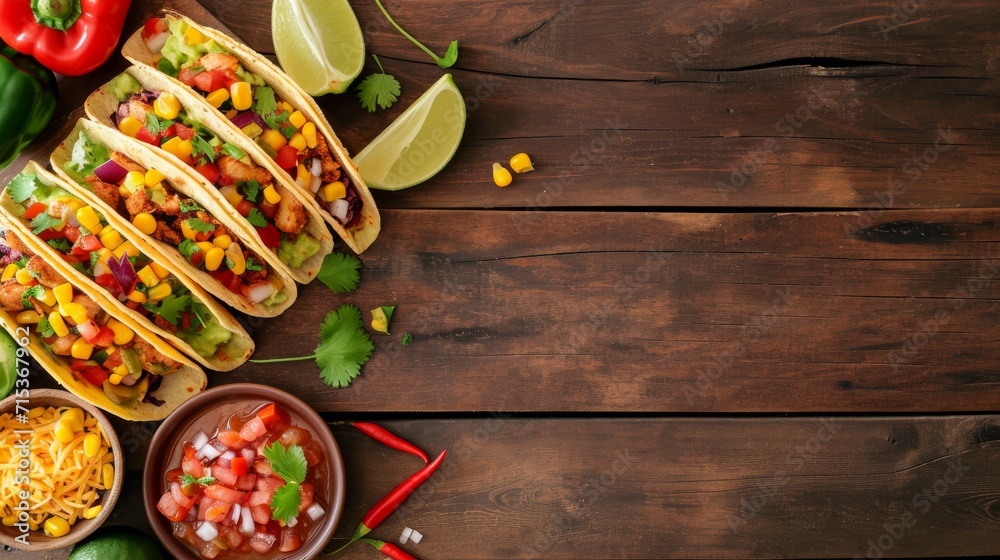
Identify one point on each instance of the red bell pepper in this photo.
(70, 37)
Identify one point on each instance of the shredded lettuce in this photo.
(87, 156)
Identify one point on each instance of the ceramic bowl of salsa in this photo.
(223, 472)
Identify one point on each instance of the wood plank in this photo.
(684, 487)
(663, 313)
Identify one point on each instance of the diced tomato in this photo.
(188, 77)
(229, 78)
(253, 429)
(34, 210)
(313, 452)
(262, 542)
(239, 467)
(244, 207)
(287, 157)
(259, 498)
(225, 180)
(208, 550)
(180, 497)
(262, 467)
(246, 482)
(274, 416)
(269, 236)
(268, 210)
(291, 539)
(144, 135)
(108, 281)
(308, 492)
(232, 537)
(294, 435)
(226, 277)
(210, 80)
(95, 375)
(174, 475)
(113, 361)
(71, 233)
(232, 439)
(213, 510)
(170, 509)
(193, 467)
(154, 26)
(50, 234)
(209, 171)
(223, 494)
(224, 475)
(269, 484)
(197, 258)
(183, 132)
(261, 513)
(105, 337)
(86, 245)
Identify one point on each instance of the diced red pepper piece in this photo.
(209, 171)
(267, 209)
(95, 375)
(50, 234)
(210, 80)
(253, 429)
(244, 207)
(154, 26)
(239, 467)
(274, 416)
(86, 245)
(226, 277)
(287, 157)
(34, 210)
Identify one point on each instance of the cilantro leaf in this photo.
(94, 255)
(340, 272)
(285, 503)
(201, 147)
(264, 103)
(251, 189)
(43, 222)
(22, 186)
(381, 89)
(290, 464)
(449, 58)
(199, 225)
(187, 248)
(45, 329)
(156, 125)
(276, 120)
(256, 218)
(170, 307)
(252, 264)
(30, 293)
(61, 244)
(189, 205)
(187, 480)
(407, 339)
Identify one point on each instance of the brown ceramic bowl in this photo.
(206, 411)
(38, 541)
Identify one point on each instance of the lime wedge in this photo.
(318, 43)
(419, 143)
(8, 363)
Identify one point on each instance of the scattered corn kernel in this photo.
(56, 527)
(204, 246)
(137, 296)
(32, 525)
(223, 242)
(333, 191)
(91, 444)
(126, 248)
(145, 222)
(47, 297)
(217, 97)
(309, 132)
(108, 475)
(242, 98)
(24, 277)
(298, 141)
(184, 149)
(121, 370)
(501, 176)
(153, 178)
(167, 106)
(159, 291)
(134, 180)
(160, 272)
(271, 195)
(287, 106)
(129, 126)
(521, 163)
(148, 277)
(62, 432)
(213, 258)
(28, 317)
(187, 231)
(273, 138)
(231, 113)
(74, 311)
(235, 256)
(297, 119)
(89, 219)
(9, 272)
(123, 334)
(193, 37)
(74, 418)
(303, 178)
(92, 512)
(64, 293)
(115, 378)
(171, 145)
(81, 349)
(111, 239)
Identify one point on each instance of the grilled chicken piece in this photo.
(10, 296)
(219, 61)
(47, 276)
(151, 358)
(291, 216)
(240, 171)
(105, 191)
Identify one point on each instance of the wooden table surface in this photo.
(745, 307)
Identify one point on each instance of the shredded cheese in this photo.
(61, 480)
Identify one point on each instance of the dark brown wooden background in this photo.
(745, 307)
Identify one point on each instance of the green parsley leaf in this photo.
(378, 89)
(251, 189)
(189, 205)
(187, 480)
(43, 222)
(252, 264)
(256, 218)
(340, 272)
(187, 248)
(22, 186)
(156, 125)
(407, 339)
(61, 244)
(30, 293)
(170, 307)
(199, 225)
(45, 329)
(201, 147)
(290, 464)
(264, 103)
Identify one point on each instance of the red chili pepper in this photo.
(390, 550)
(70, 37)
(385, 437)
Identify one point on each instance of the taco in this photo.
(124, 180)
(278, 117)
(107, 360)
(277, 216)
(77, 241)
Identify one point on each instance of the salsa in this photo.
(231, 495)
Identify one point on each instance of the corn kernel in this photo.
(501, 176)
(298, 141)
(126, 248)
(116, 378)
(223, 242)
(9, 272)
(74, 311)
(148, 277)
(124, 192)
(303, 178)
(521, 163)
(213, 258)
(91, 445)
(134, 179)
(28, 317)
(193, 37)
(333, 191)
(171, 145)
(159, 291)
(24, 277)
(89, 219)
(184, 149)
(287, 106)
(92, 512)
(111, 239)
(123, 334)
(297, 119)
(74, 417)
(160, 272)
(217, 97)
(10, 520)
(242, 98)
(129, 126)
(108, 475)
(56, 527)
(145, 222)
(309, 132)
(137, 296)
(121, 370)
(231, 113)
(271, 195)
(81, 349)
(188, 231)
(204, 246)
(153, 178)
(58, 325)
(32, 525)
(167, 106)
(234, 254)
(274, 139)
(63, 432)
(64, 293)
(47, 297)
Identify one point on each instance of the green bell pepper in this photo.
(29, 93)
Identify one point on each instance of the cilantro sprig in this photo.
(344, 347)
(340, 272)
(446, 61)
(381, 89)
(187, 480)
(22, 186)
(290, 464)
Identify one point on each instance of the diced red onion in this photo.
(207, 532)
(316, 184)
(416, 537)
(200, 439)
(316, 168)
(155, 44)
(110, 172)
(234, 514)
(292, 523)
(243, 119)
(315, 511)
(123, 272)
(260, 291)
(208, 451)
(339, 208)
(246, 522)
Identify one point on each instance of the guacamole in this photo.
(294, 254)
